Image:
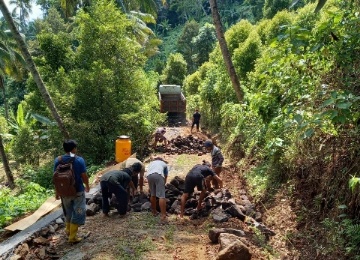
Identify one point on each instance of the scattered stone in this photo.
(225, 239)
(51, 229)
(59, 221)
(146, 206)
(44, 231)
(136, 207)
(258, 216)
(22, 250)
(215, 233)
(41, 241)
(40, 252)
(219, 216)
(235, 251)
(56, 226)
(236, 212)
(92, 209)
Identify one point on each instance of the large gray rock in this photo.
(235, 251)
(219, 215)
(226, 239)
(146, 206)
(92, 209)
(236, 212)
(215, 233)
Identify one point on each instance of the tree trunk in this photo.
(5, 162)
(31, 66)
(225, 51)
(2, 86)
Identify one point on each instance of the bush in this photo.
(31, 196)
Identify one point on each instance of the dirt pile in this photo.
(183, 145)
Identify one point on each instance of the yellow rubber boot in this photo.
(73, 234)
(67, 228)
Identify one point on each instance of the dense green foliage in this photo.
(31, 197)
(298, 71)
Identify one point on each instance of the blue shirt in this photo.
(79, 167)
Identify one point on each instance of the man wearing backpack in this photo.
(74, 206)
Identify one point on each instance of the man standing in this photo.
(198, 176)
(216, 159)
(159, 136)
(157, 175)
(116, 182)
(136, 179)
(74, 206)
(196, 120)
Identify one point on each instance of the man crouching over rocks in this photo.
(116, 182)
(198, 176)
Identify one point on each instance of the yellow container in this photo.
(122, 148)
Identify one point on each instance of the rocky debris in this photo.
(41, 245)
(215, 233)
(226, 239)
(219, 203)
(184, 145)
(235, 251)
(92, 209)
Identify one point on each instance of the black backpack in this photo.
(64, 178)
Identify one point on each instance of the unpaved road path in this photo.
(142, 236)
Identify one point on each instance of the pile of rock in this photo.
(218, 203)
(41, 245)
(184, 145)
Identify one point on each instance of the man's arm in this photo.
(166, 172)
(85, 180)
(141, 179)
(132, 186)
(202, 196)
(141, 183)
(219, 180)
(208, 183)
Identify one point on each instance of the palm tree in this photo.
(11, 61)
(24, 8)
(32, 68)
(225, 51)
(10, 65)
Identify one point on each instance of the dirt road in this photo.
(139, 235)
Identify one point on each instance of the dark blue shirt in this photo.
(201, 171)
(196, 117)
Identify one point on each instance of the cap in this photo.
(208, 143)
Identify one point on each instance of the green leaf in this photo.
(309, 132)
(342, 206)
(320, 5)
(42, 119)
(339, 119)
(327, 102)
(344, 105)
(298, 118)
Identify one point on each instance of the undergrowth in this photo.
(29, 197)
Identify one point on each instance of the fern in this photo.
(353, 182)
